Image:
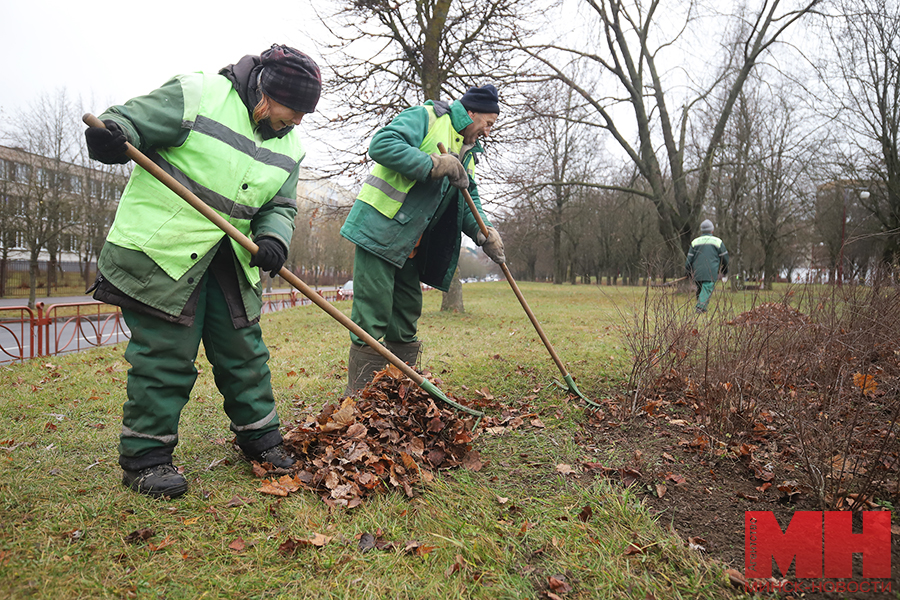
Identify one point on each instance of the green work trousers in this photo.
(704, 291)
(162, 374)
(387, 301)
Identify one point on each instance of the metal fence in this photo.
(72, 327)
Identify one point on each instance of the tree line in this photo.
(623, 126)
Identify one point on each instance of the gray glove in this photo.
(492, 245)
(448, 165)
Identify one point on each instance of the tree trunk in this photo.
(453, 299)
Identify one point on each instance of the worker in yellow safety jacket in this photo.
(230, 137)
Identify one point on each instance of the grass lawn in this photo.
(517, 528)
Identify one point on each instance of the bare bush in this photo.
(813, 379)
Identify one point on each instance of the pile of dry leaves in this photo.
(388, 437)
(772, 314)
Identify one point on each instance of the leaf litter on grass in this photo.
(390, 436)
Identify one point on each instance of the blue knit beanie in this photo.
(482, 99)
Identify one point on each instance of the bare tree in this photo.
(48, 131)
(635, 38)
(867, 39)
(558, 149)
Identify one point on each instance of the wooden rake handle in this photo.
(512, 282)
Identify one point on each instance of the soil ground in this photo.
(700, 495)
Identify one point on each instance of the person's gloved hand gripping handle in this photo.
(107, 144)
(448, 165)
(270, 256)
(492, 245)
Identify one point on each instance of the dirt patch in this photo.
(698, 492)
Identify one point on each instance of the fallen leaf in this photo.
(458, 565)
(668, 456)
(558, 584)
(237, 545)
(166, 542)
(564, 469)
(632, 549)
(237, 500)
(736, 578)
(661, 490)
(586, 513)
(139, 535)
(272, 488)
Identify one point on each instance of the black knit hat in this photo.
(291, 78)
(482, 99)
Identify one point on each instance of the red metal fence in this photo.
(72, 327)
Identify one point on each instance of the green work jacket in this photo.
(706, 258)
(400, 206)
(159, 246)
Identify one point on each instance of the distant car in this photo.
(346, 290)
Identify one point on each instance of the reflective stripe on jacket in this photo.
(226, 163)
(385, 190)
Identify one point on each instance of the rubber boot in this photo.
(363, 363)
(408, 353)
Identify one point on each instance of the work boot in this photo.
(157, 481)
(275, 455)
(408, 353)
(363, 363)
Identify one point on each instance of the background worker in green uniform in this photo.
(230, 138)
(407, 220)
(705, 259)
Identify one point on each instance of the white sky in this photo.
(104, 52)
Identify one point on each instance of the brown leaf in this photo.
(558, 583)
(736, 578)
(272, 488)
(237, 545)
(676, 479)
(458, 565)
(632, 549)
(661, 490)
(319, 540)
(586, 513)
(472, 461)
(139, 535)
(166, 542)
(668, 456)
(237, 500)
(564, 469)
(290, 546)
(537, 423)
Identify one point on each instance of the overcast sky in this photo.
(104, 52)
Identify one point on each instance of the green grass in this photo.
(508, 527)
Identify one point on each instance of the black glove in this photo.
(270, 256)
(107, 144)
